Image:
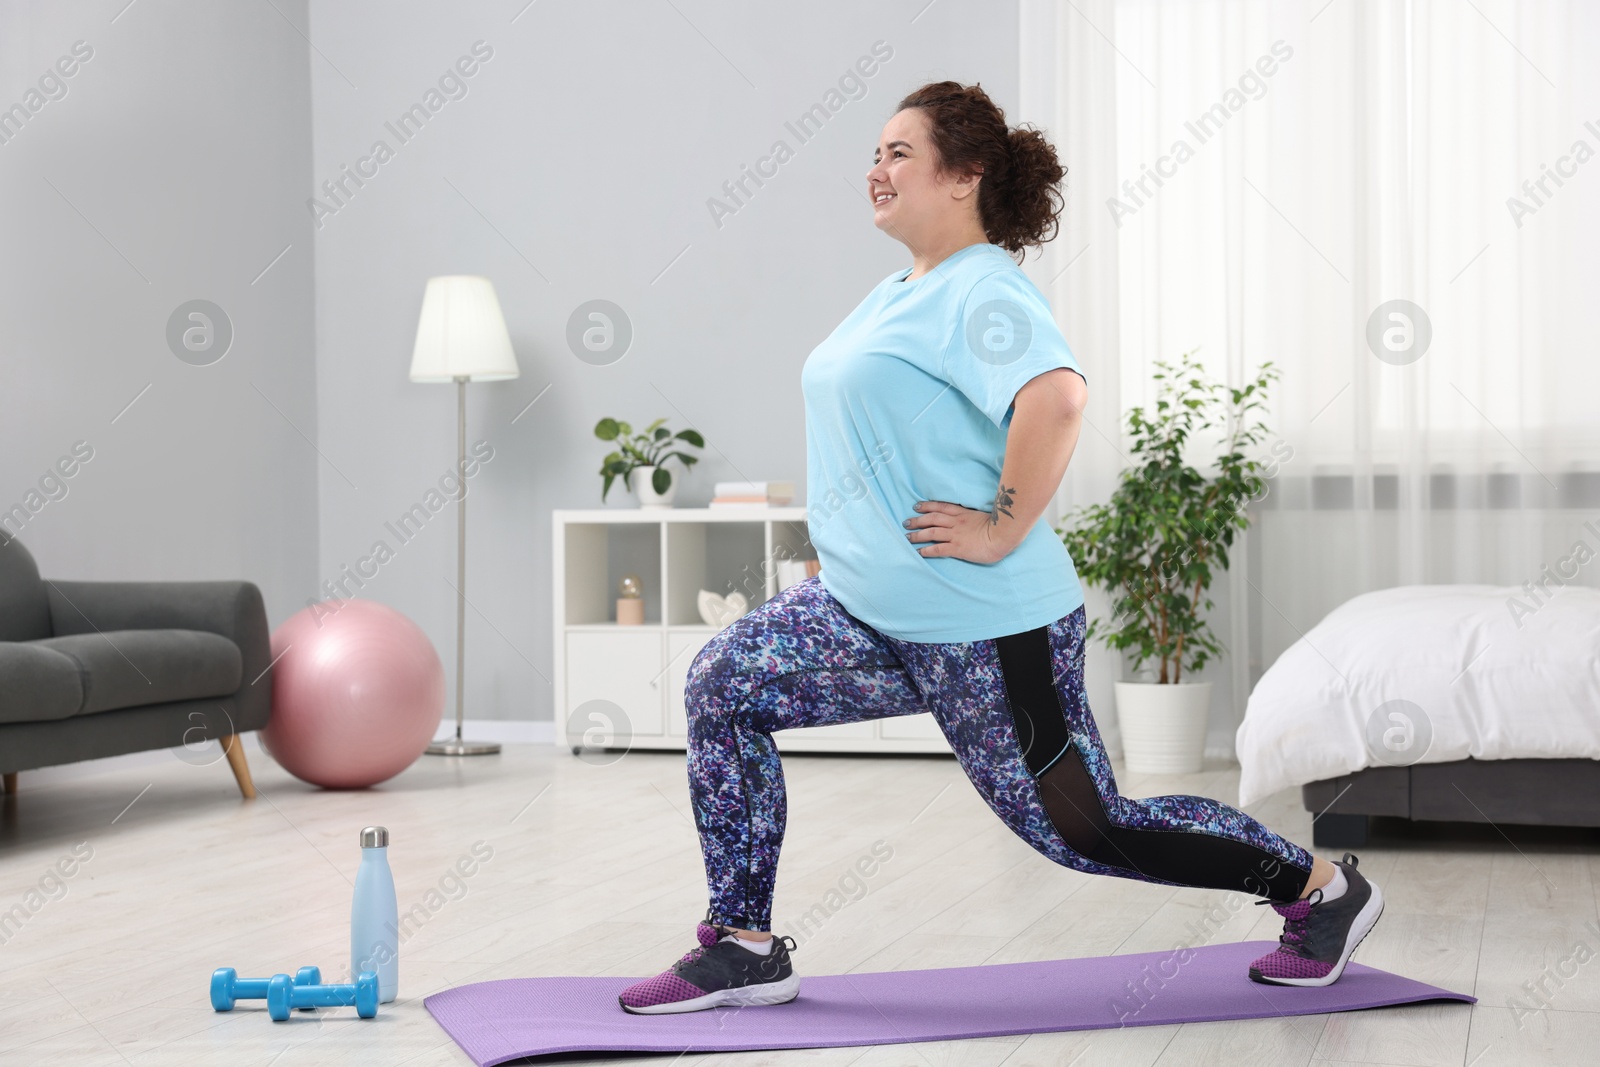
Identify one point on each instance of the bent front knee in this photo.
(710, 692)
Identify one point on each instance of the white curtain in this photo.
(1260, 180)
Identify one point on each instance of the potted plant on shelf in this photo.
(1154, 548)
(641, 457)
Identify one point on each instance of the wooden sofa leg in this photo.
(10, 782)
(233, 748)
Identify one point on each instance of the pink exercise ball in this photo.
(357, 693)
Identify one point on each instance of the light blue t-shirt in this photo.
(910, 399)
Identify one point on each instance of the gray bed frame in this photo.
(1539, 792)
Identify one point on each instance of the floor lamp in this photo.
(461, 338)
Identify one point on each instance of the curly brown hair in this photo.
(1019, 202)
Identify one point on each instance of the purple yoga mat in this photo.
(498, 1021)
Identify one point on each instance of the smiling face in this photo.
(910, 198)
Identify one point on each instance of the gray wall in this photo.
(181, 159)
(577, 167)
(170, 166)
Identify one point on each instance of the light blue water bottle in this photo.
(375, 916)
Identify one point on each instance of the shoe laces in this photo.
(1297, 913)
(1296, 921)
(711, 933)
(708, 934)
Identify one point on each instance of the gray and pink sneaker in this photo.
(1320, 935)
(717, 972)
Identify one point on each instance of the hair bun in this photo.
(1019, 202)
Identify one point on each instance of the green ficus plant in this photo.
(1168, 527)
(651, 447)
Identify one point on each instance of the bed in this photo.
(1473, 703)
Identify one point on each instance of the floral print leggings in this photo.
(1014, 712)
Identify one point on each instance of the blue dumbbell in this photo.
(227, 987)
(283, 994)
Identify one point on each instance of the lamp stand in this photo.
(455, 746)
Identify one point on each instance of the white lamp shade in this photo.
(461, 333)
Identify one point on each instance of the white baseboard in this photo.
(1221, 753)
(506, 731)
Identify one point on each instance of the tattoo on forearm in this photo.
(1002, 503)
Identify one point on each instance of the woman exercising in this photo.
(950, 388)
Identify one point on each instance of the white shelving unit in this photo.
(622, 686)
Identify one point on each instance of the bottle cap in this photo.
(374, 837)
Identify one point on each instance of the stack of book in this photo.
(761, 494)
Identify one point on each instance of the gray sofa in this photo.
(92, 669)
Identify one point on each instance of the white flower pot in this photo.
(1163, 726)
(642, 488)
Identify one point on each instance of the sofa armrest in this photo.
(233, 609)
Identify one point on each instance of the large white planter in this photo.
(648, 497)
(1163, 726)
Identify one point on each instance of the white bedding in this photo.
(1482, 685)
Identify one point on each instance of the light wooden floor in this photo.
(595, 870)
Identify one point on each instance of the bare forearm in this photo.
(1045, 423)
